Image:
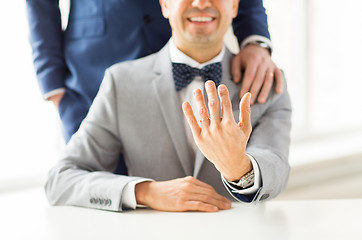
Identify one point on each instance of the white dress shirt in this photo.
(186, 94)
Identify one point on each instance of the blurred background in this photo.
(318, 44)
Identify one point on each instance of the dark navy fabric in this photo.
(99, 34)
(244, 198)
(183, 74)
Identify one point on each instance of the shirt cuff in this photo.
(129, 196)
(47, 95)
(257, 180)
(254, 38)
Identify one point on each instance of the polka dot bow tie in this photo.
(184, 74)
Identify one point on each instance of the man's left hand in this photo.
(259, 73)
(221, 140)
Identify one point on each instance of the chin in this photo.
(201, 38)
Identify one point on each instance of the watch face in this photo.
(248, 179)
(248, 182)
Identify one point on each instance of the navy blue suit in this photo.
(99, 34)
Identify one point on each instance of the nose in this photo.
(201, 4)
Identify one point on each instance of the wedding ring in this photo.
(204, 119)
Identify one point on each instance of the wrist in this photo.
(142, 192)
(238, 173)
(259, 44)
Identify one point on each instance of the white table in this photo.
(26, 215)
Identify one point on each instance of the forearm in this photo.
(69, 185)
(269, 143)
(251, 20)
(46, 39)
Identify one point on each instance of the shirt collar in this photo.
(179, 57)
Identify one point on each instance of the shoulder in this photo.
(132, 67)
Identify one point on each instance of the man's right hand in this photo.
(56, 99)
(179, 195)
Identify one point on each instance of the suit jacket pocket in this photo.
(85, 28)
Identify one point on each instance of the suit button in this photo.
(147, 19)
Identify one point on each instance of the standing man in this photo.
(177, 161)
(70, 64)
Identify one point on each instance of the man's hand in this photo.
(178, 195)
(221, 140)
(56, 99)
(259, 73)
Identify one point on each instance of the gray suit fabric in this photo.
(137, 112)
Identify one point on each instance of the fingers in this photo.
(227, 111)
(258, 82)
(279, 81)
(198, 191)
(250, 72)
(199, 206)
(267, 85)
(201, 107)
(244, 117)
(236, 69)
(195, 129)
(213, 101)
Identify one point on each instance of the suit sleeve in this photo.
(83, 177)
(251, 20)
(269, 145)
(46, 40)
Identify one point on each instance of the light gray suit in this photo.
(137, 112)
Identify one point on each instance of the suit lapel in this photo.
(171, 109)
(226, 79)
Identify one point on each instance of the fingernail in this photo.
(209, 83)
(197, 92)
(227, 204)
(222, 88)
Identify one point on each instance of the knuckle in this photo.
(185, 186)
(227, 104)
(255, 58)
(216, 128)
(180, 204)
(212, 102)
(188, 178)
(206, 199)
(199, 205)
(182, 196)
(228, 123)
(191, 121)
(264, 60)
(202, 110)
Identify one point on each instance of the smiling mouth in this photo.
(201, 19)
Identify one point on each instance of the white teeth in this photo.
(201, 19)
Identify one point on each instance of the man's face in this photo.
(199, 21)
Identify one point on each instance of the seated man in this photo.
(175, 164)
